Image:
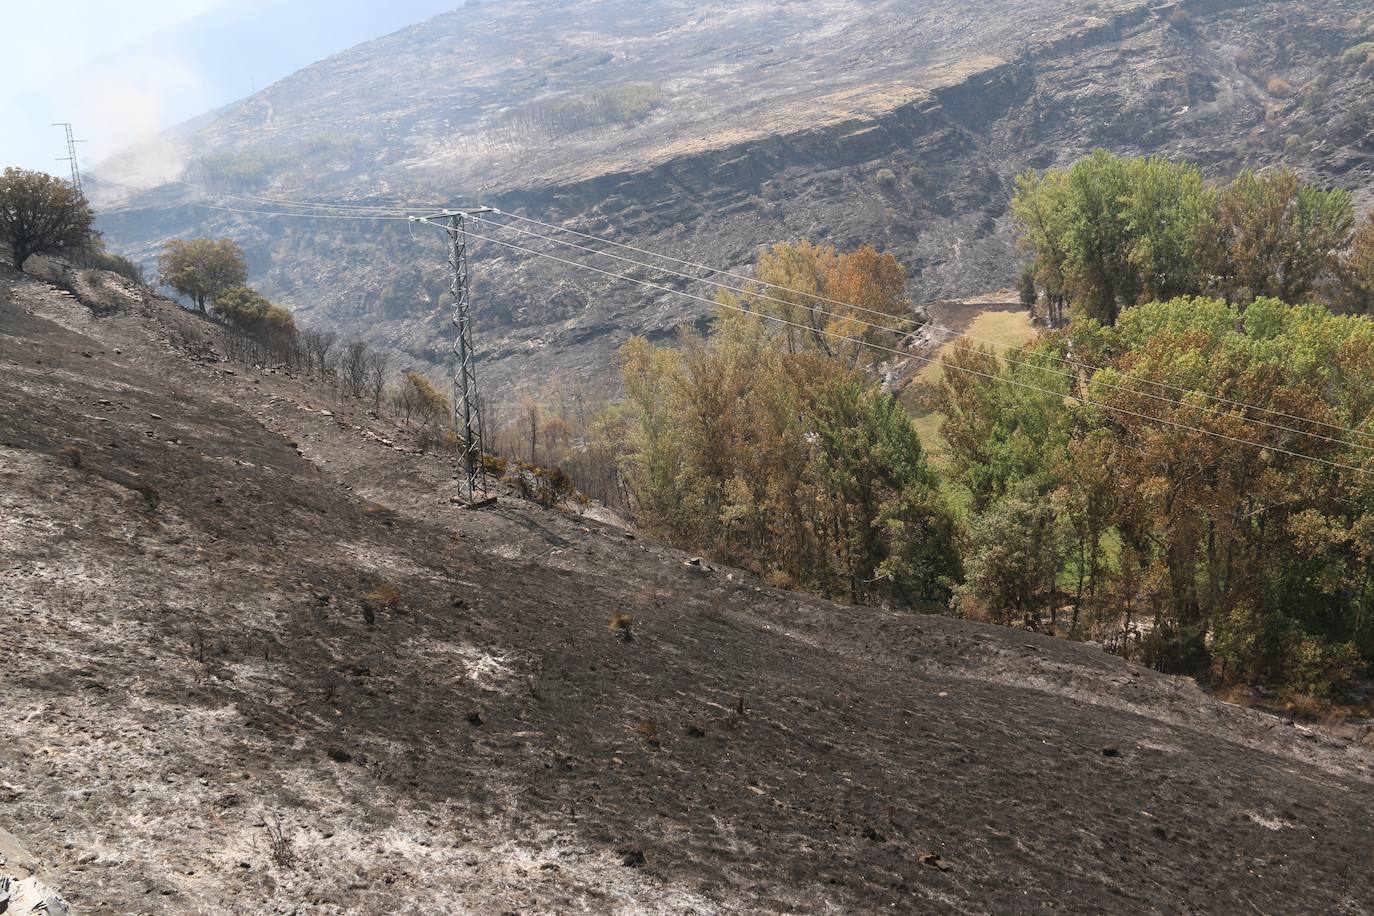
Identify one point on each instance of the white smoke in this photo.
(127, 109)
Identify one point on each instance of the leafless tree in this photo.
(318, 347)
(354, 369)
(378, 366)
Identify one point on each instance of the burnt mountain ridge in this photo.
(705, 131)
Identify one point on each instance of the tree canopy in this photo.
(1211, 533)
(1112, 232)
(40, 214)
(202, 269)
(250, 311)
(824, 295)
(784, 459)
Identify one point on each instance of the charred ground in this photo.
(190, 657)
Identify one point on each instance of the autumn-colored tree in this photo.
(1239, 540)
(779, 457)
(1274, 236)
(822, 296)
(40, 214)
(202, 268)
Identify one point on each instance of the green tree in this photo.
(1041, 209)
(1112, 232)
(1011, 561)
(891, 532)
(1025, 288)
(1005, 423)
(40, 214)
(1243, 542)
(202, 268)
(776, 456)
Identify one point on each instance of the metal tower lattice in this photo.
(71, 156)
(467, 405)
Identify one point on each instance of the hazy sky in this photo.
(121, 70)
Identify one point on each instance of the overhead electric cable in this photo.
(1068, 361)
(946, 330)
(927, 359)
(991, 377)
(1173, 402)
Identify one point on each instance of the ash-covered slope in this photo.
(707, 131)
(205, 712)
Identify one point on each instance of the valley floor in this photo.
(189, 669)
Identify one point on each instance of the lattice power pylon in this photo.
(467, 406)
(71, 156)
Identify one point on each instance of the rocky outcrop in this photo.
(22, 891)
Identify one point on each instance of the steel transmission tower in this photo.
(467, 406)
(71, 156)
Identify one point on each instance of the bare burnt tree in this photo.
(353, 368)
(378, 364)
(318, 347)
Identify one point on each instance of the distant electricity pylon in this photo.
(467, 408)
(71, 156)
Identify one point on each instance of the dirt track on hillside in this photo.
(176, 676)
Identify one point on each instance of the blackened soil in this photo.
(189, 667)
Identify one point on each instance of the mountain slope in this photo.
(708, 131)
(192, 666)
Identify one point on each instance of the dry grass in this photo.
(999, 329)
(72, 454)
(385, 595)
(281, 844)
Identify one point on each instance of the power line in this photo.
(1064, 360)
(862, 342)
(371, 219)
(986, 375)
(946, 330)
(1173, 402)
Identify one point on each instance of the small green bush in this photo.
(630, 102)
(1358, 55)
(118, 264)
(1319, 668)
